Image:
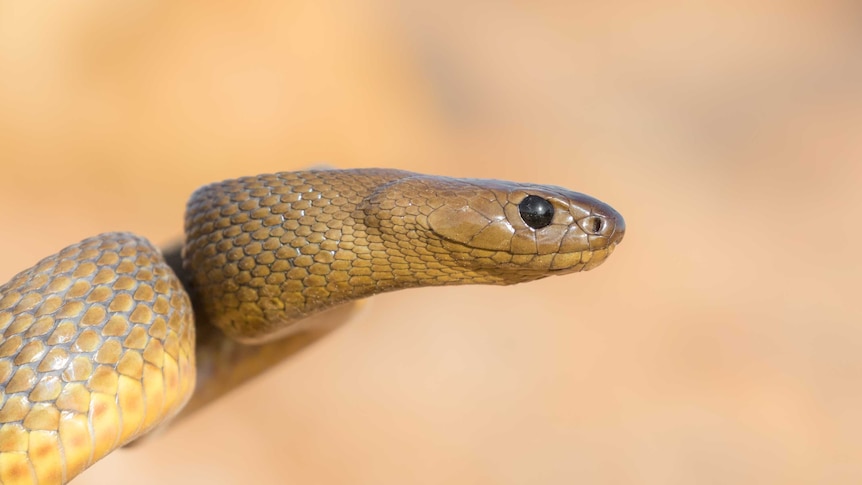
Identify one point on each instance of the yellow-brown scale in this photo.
(97, 348)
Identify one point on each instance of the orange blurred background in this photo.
(719, 344)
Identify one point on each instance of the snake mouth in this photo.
(575, 261)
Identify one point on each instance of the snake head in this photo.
(506, 232)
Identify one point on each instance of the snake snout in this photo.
(606, 222)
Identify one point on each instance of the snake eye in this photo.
(536, 211)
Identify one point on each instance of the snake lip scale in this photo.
(109, 338)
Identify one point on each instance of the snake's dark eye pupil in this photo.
(536, 211)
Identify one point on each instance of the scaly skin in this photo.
(97, 349)
(98, 345)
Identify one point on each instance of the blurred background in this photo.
(719, 344)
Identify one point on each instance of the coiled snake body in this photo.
(98, 341)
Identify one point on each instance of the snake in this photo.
(110, 337)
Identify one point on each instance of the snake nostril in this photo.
(594, 225)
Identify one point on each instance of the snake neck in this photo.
(264, 252)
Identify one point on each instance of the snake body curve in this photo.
(97, 342)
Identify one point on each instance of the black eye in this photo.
(536, 211)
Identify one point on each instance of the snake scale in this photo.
(99, 342)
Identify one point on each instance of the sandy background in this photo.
(720, 343)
